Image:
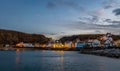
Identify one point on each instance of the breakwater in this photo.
(113, 52)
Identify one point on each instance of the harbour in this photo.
(44, 60)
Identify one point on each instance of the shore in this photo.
(39, 48)
(113, 52)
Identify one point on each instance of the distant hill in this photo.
(13, 37)
(86, 37)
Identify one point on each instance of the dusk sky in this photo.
(56, 18)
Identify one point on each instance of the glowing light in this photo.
(58, 45)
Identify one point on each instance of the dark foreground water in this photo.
(55, 61)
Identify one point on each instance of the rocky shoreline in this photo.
(113, 52)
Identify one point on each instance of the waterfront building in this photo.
(80, 44)
(37, 45)
(107, 40)
(21, 44)
(49, 45)
(117, 43)
(89, 43)
(57, 45)
(96, 43)
(66, 44)
(70, 44)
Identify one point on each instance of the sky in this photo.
(57, 18)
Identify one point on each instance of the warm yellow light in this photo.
(19, 45)
(58, 45)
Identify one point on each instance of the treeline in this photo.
(13, 37)
(84, 37)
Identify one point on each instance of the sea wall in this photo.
(113, 52)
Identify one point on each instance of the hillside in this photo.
(86, 37)
(13, 37)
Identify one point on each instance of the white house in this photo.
(96, 43)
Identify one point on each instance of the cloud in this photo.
(100, 23)
(107, 4)
(80, 25)
(65, 3)
(116, 11)
(98, 31)
(54, 34)
(114, 22)
(94, 16)
(51, 5)
(114, 27)
(91, 20)
(98, 12)
(108, 20)
(99, 19)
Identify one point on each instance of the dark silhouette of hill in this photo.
(84, 37)
(13, 37)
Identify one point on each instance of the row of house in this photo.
(22, 44)
(101, 41)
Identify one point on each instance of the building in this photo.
(21, 44)
(96, 43)
(80, 44)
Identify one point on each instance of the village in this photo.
(104, 41)
(101, 45)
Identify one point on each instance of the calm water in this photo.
(55, 61)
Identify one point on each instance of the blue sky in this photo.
(57, 18)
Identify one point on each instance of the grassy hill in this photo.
(13, 37)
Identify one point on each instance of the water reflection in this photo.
(61, 61)
(17, 59)
(101, 64)
(55, 61)
(59, 51)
